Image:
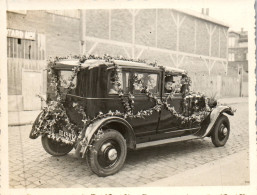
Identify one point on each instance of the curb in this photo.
(20, 124)
(232, 103)
(226, 101)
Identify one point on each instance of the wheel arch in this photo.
(111, 122)
(32, 135)
(124, 128)
(215, 114)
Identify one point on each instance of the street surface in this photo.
(31, 167)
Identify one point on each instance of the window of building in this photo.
(243, 44)
(231, 57)
(231, 41)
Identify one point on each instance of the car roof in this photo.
(169, 69)
(68, 64)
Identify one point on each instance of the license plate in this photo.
(68, 135)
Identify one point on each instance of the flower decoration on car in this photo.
(195, 105)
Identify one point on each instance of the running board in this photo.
(166, 141)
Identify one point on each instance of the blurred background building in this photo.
(238, 58)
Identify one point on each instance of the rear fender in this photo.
(32, 134)
(94, 127)
(215, 115)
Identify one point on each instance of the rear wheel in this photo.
(107, 154)
(221, 131)
(55, 148)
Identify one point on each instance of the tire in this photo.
(107, 155)
(55, 148)
(221, 131)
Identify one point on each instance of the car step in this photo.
(166, 141)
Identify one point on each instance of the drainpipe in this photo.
(82, 32)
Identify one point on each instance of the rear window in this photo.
(123, 79)
(65, 76)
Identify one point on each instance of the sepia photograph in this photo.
(130, 97)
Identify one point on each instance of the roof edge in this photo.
(201, 16)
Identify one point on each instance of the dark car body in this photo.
(94, 94)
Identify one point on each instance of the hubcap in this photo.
(112, 154)
(109, 153)
(225, 131)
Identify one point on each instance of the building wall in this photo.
(167, 36)
(161, 29)
(56, 34)
(62, 34)
(238, 52)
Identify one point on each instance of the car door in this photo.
(168, 122)
(146, 125)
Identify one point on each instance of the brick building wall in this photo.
(62, 33)
(190, 41)
(169, 36)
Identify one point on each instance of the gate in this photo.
(31, 87)
(26, 78)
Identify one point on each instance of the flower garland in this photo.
(54, 115)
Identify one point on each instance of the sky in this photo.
(234, 13)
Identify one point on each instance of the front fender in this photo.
(94, 127)
(214, 116)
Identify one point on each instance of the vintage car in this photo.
(116, 105)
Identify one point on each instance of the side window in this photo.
(148, 80)
(177, 84)
(172, 84)
(123, 79)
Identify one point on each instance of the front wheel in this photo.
(221, 131)
(107, 154)
(55, 148)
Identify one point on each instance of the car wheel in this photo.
(221, 131)
(107, 154)
(55, 148)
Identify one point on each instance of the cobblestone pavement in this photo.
(31, 167)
